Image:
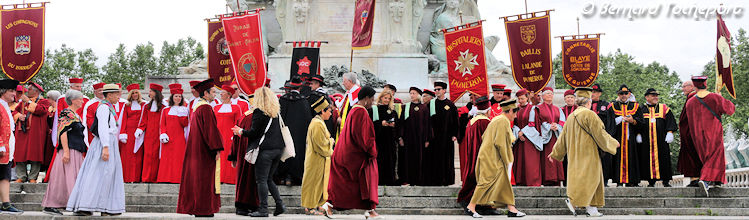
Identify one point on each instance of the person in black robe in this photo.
(657, 134)
(444, 121)
(599, 106)
(623, 117)
(315, 83)
(413, 137)
(385, 125)
(296, 114)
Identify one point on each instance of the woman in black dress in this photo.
(384, 117)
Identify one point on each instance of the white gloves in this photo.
(138, 132)
(619, 119)
(164, 138)
(639, 139)
(123, 138)
(669, 137)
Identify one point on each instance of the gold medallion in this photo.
(447, 107)
(416, 108)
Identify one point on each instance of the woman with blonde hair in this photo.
(317, 161)
(384, 117)
(130, 115)
(265, 134)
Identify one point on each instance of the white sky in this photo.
(683, 44)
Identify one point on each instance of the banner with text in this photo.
(305, 61)
(580, 61)
(363, 24)
(245, 41)
(466, 64)
(530, 51)
(219, 61)
(22, 44)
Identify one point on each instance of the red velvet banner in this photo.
(530, 52)
(580, 61)
(219, 61)
(22, 43)
(466, 64)
(363, 24)
(245, 40)
(723, 66)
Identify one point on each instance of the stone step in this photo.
(437, 191)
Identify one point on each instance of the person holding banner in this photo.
(581, 139)
(413, 137)
(132, 166)
(494, 162)
(148, 133)
(200, 187)
(623, 116)
(227, 116)
(704, 112)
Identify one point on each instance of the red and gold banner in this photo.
(22, 42)
(580, 61)
(219, 61)
(723, 66)
(363, 24)
(245, 41)
(466, 64)
(530, 51)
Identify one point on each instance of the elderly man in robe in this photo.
(580, 140)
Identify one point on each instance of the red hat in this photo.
(20, 88)
(429, 92)
(193, 83)
(133, 86)
(175, 86)
(176, 90)
(99, 86)
(397, 100)
(155, 86)
(498, 87)
(547, 89)
(569, 92)
(521, 92)
(75, 80)
(228, 88)
(37, 86)
(508, 92)
(482, 103)
(119, 84)
(699, 81)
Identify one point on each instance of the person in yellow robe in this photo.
(317, 162)
(581, 137)
(494, 163)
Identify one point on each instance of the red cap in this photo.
(155, 86)
(569, 92)
(193, 83)
(75, 80)
(20, 88)
(498, 87)
(228, 88)
(337, 96)
(99, 86)
(547, 89)
(119, 85)
(37, 86)
(397, 100)
(521, 92)
(508, 92)
(699, 81)
(176, 91)
(135, 86)
(482, 103)
(175, 86)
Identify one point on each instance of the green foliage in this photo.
(180, 54)
(63, 63)
(740, 61)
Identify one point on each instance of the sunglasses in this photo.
(623, 93)
(438, 89)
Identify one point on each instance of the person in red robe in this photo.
(689, 162)
(195, 95)
(469, 151)
(31, 135)
(243, 104)
(89, 110)
(547, 120)
(173, 124)
(704, 111)
(569, 101)
(246, 199)
(498, 91)
(148, 133)
(227, 116)
(353, 170)
(527, 168)
(132, 157)
(200, 190)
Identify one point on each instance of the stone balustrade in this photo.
(734, 178)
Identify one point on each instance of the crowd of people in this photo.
(340, 147)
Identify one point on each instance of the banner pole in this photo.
(351, 61)
(526, 6)
(578, 25)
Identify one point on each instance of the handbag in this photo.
(288, 151)
(251, 155)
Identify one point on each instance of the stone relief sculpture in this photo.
(403, 28)
(449, 15)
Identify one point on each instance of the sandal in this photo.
(326, 208)
(312, 212)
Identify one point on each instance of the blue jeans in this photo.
(265, 166)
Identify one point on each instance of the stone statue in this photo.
(405, 17)
(449, 15)
(197, 67)
(292, 16)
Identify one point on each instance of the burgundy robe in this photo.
(197, 190)
(353, 171)
(551, 172)
(526, 169)
(469, 151)
(689, 162)
(246, 188)
(30, 144)
(568, 110)
(706, 132)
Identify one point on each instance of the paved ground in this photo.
(40, 215)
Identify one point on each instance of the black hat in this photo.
(318, 78)
(365, 92)
(415, 89)
(203, 86)
(429, 92)
(440, 84)
(651, 91)
(699, 81)
(509, 104)
(623, 89)
(294, 83)
(482, 103)
(320, 104)
(8, 84)
(391, 87)
(596, 87)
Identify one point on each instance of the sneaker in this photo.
(705, 187)
(597, 214)
(51, 211)
(515, 214)
(10, 209)
(570, 207)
